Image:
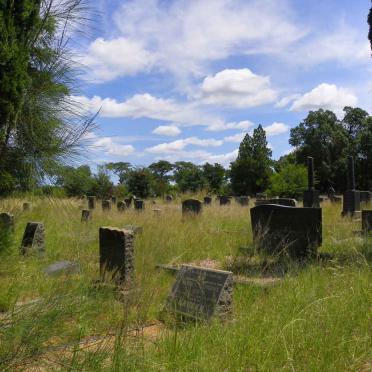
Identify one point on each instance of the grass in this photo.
(315, 317)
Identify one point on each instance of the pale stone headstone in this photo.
(86, 215)
(33, 239)
(200, 293)
(192, 206)
(116, 248)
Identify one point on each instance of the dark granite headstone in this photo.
(365, 196)
(91, 202)
(225, 200)
(27, 206)
(6, 222)
(139, 205)
(116, 248)
(351, 201)
(62, 267)
(169, 198)
(201, 293)
(121, 206)
(86, 215)
(311, 196)
(207, 200)
(191, 206)
(33, 239)
(280, 229)
(287, 202)
(128, 202)
(106, 205)
(367, 221)
(243, 201)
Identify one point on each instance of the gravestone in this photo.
(311, 196)
(116, 249)
(169, 198)
(365, 196)
(91, 202)
(201, 293)
(192, 206)
(367, 221)
(139, 205)
(128, 202)
(287, 202)
(243, 201)
(261, 195)
(225, 200)
(33, 239)
(121, 206)
(27, 206)
(351, 201)
(106, 205)
(113, 199)
(280, 229)
(6, 222)
(86, 215)
(207, 200)
(62, 267)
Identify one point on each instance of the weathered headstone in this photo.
(287, 202)
(128, 202)
(62, 267)
(351, 201)
(33, 239)
(86, 215)
(27, 206)
(91, 202)
(365, 196)
(106, 205)
(192, 206)
(311, 196)
(201, 293)
(225, 200)
(261, 195)
(367, 221)
(243, 201)
(280, 229)
(6, 222)
(139, 205)
(207, 200)
(116, 249)
(121, 206)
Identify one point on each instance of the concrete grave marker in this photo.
(225, 200)
(116, 249)
(106, 205)
(192, 206)
(86, 215)
(367, 221)
(33, 239)
(201, 293)
(207, 200)
(351, 201)
(279, 229)
(91, 202)
(139, 205)
(311, 196)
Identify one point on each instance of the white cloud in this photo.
(167, 130)
(110, 59)
(326, 96)
(285, 101)
(235, 138)
(111, 146)
(239, 88)
(276, 128)
(178, 145)
(244, 124)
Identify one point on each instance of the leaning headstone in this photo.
(121, 206)
(6, 222)
(311, 196)
(225, 200)
(86, 215)
(62, 267)
(279, 229)
(91, 202)
(261, 195)
(207, 200)
(33, 239)
(128, 202)
(287, 202)
(243, 201)
(116, 249)
(365, 196)
(367, 221)
(139, 205)
(27, 206)
(201, 293)
(351, 201)
(192, 206)
(106, 205)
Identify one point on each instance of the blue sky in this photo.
(186, 79)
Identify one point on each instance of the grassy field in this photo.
(314, 316)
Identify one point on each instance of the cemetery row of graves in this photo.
(206, 288)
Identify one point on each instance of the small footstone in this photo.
(62, 267)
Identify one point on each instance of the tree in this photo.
(161, 177)
(139, 182)
(364, 150)
(215, 176)
(188, 176)
(102, 185)
(250, 172)
(77, 181)
(370, 26)
(121, 170)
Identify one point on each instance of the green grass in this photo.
(317, 317)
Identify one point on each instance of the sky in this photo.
(185, 80)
